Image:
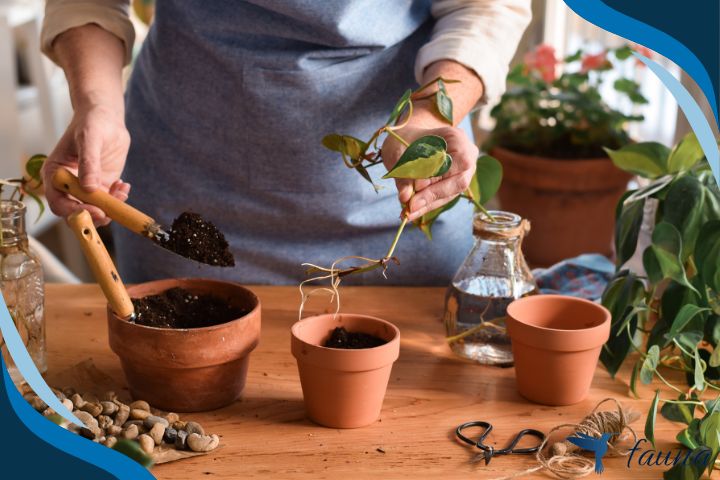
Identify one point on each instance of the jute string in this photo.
(490, 232)
(564, 462)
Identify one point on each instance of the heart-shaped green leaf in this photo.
(685, 154)
(667, 246)
(426, 222)
(690, 437)
(647, 372)
(628, 230)
(651, 418)
(652, 266)
(443, 103)
(679, 412)
(699, 373)
(426, 157)
(682, 320)
(707, 253)
(648, 159)
(683, 209)
(486, 181)
(399, 107)
(345, 144)
(34, 165)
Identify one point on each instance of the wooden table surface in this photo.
(266, 434)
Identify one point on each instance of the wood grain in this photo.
(266, 434)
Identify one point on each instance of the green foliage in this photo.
(564, 117)
(681, 290)
(25, 185)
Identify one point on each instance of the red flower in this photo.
(598, 61)
(543, 61)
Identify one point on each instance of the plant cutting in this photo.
(549, 135)
(670, 316)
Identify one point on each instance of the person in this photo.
(226, 108)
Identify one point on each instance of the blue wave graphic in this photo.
(40, 449)
(607, 18)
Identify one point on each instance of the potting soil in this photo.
(179, 308)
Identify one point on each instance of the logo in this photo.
(597, 445)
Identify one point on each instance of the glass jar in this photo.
(22, 286)
(493, 275)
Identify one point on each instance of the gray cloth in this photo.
(226, 108)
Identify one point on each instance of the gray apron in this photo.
(226, 108)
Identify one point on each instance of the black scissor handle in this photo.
(488, 428)
(490, 451)
(523, 433)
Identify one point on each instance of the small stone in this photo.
(104, 421)
(36, 402)
(170, 435)
(130, 432)
(194, 427)
(48, 411)
(86, 418)
(110, 441)
(146, 443)
(77, 400)
(68, 404)
(181, 439)
(140, 405)
(157, 432)
(178, 425)
(139, 414)
(122, 415)
(202, 443)
(93, 409)
(151, 420)
(87, 433)
(109, 408)
(172, 418)
(69, 392)
(109, 396)
(60, 395)
(137, 423)
(113, 430)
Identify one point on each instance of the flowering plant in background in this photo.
(553, 107)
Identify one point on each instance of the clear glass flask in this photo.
(493, 275)
(22, 286)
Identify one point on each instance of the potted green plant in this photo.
(671, 315)
(549, 136)
(344, 382)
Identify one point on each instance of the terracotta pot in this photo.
(570, 203)
(188, 370)
(343, 388)
(556, 342)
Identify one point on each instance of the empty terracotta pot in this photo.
(556, 342)
(188, 370)
(343, 388)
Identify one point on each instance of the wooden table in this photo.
(266, 434)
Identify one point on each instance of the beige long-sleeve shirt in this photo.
(480, 34)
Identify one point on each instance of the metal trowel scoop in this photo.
(102, 265)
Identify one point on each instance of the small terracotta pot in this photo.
(569, 202)
(343, 388)
(188, 370)
(556, 342)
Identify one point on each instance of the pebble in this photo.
(140, 405)
(146, 443)
(194, 427)
(181, 439)
(36, 402)
(172, 418)
(104, 421)
(110, 441)
(87, 433)
(77, 400)
(130, 432)
(151, 420)
(47, 412)
(178, 425)
(138, 423)
(86, 418)
(202, 443)
(122, 415)
(110, 396)
(157, 432)
(170, 435)
(109, 408)
(113, 430)
(93, 409)
(138, 414)
(69, 392)
(68, 404)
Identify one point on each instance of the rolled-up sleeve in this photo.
(111, 15)
(479, 34)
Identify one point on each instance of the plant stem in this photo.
(397, 237)
(468, 193)
(397, 137)
(474, 330)
(668, 383)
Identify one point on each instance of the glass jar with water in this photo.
(493, 275)
(22, 285)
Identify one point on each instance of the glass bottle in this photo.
(22, 286)
(493, 275)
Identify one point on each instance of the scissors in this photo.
(489, 451)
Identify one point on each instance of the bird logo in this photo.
(592, 444)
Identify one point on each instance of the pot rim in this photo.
(568, 298)
(545, 157)
(178, 281)
(386, 345)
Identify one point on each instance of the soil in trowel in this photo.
(341, 338)
(179, 308)
(197, 239)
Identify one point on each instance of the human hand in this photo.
(94, 147)
(424, 195)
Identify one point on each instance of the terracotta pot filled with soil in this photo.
(188, 348)
(556, 342)
(344, 363)
(570, 203)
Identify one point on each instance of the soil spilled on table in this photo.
(197, 239)
(341, 338)
(179, 308)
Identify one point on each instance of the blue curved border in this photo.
(625, 26)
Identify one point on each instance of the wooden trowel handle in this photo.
(101, 264)
(119, 211)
